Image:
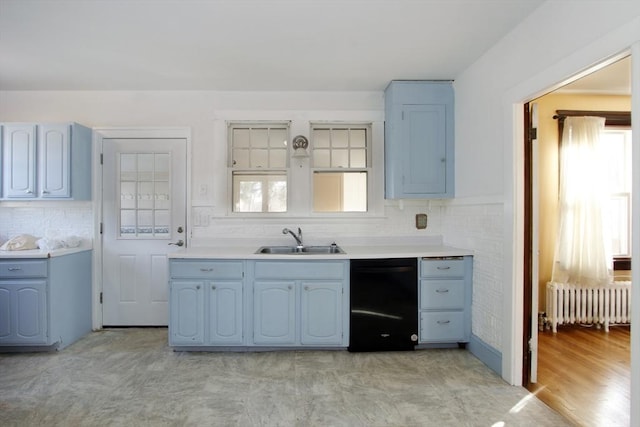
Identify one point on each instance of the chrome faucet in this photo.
(298, 237)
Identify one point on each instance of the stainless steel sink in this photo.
(304, 250)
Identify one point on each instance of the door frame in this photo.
(99, 135)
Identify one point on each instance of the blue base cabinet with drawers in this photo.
(445, 294)
(206, 302)
(45, 304)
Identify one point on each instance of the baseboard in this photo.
(487, 354)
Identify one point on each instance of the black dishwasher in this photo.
(384, 304)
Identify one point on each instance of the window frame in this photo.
(367, 126)
(268, 171)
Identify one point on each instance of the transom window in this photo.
(259, 166)
(341, 167)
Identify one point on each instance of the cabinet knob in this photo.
(198, 287)
(306, 288)
(28, 191)
(289, 287)
(213, 287)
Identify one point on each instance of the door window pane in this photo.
(144, 195)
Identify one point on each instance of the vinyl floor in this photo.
(130, 377)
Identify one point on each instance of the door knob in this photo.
(178, 243)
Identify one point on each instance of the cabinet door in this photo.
(19, 161)
(186, 313)
(321, 312)
(24, 312)
(274, 313)
(225, 312)
(54, 148)
(425, 156)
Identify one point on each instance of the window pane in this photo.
(277, 195)
(145, 221)
(128, 195)
(340, 191)
(358, 158)
(278, 158)
(340, 158)
(321, 138)
(240, 159)
(259, 192)
(259, 158)
(240, 138)
(358, 138)
(340, 138)
(145, 195)
(322, 158)
(162, 167)
(162, 195)
(259, 138)
(278, 138)
(145, 167)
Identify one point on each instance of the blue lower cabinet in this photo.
(247, 303)
(274, 313)
(321, 313)
(206, 302)
(225, 312)
(186, 313)
(45, 304)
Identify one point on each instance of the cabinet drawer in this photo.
(299, 270)
(441, 294)
(204, 269)
(20, 269)
(442, 326)
(442, 267)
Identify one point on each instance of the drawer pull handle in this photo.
(206, 269)
(443, 322)
(446, 267)
(442, 291)
(15, 268)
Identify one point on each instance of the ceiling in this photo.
(614, 79)
(245, 45)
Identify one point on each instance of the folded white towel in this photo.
(21, 242)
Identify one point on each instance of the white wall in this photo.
(205, 114)
(560, 39)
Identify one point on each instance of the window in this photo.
(618, 151)
(259, 166)
(341, 167)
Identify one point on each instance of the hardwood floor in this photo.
(584, 373)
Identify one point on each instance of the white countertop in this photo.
(39, 253)
(351, 252)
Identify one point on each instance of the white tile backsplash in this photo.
(43, 220)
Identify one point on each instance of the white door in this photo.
(144, 219)
(535, 249)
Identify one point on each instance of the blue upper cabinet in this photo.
(418, 146)
(46, 161)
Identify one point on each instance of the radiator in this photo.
(604, 305)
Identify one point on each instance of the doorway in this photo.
(599, 91)
(143, 218)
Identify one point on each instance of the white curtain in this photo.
(581, 254)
